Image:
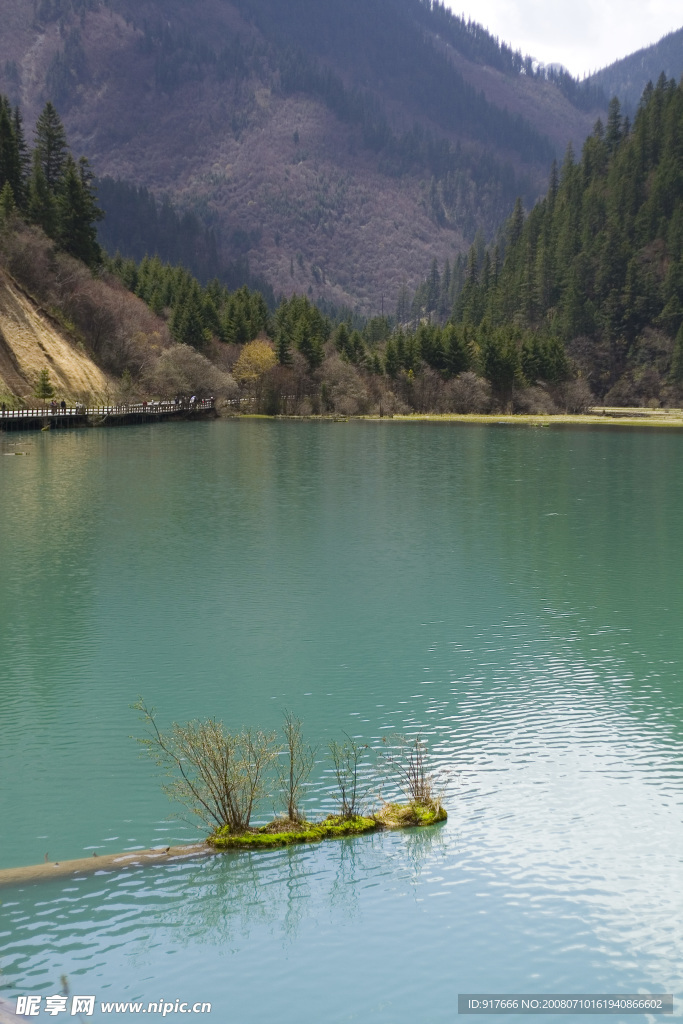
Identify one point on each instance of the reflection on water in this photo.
(513, 595)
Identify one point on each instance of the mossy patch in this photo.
(411, 815)
(308, 832)
(333, 827)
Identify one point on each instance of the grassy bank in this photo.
(599, 416)
(595, 417)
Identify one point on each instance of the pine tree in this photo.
(309, 344)
(187, 326)
(457, 356)
(10, 162)
(283, 345)
(613, 134)
(501, 362)
(51, 146)
(7, 204)
(43, 388)
(42, 206)
(77, 212)
(342, 341)
(391, 360)
(24, 156)
(515, 224)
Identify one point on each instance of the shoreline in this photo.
(663, 419)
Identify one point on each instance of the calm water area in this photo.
(513, 594)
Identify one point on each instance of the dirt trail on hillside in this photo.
(30, 342)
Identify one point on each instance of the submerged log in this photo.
(101, 864)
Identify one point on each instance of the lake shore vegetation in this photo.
(577, 303)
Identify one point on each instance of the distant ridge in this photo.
(628, 77)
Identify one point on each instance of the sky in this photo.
(584, 35)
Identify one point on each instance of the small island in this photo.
(282, 832)
(221, 777)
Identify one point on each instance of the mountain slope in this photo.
(628, 77)
(598, 263)
(339, 147)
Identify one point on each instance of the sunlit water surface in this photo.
(513, 594)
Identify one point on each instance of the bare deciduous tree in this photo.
(408, 766)
(347, 759)
(294, 770)
(217, 775)
(183, 371)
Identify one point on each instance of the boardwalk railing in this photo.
(183, 405)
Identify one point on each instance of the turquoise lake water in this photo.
(513, 594)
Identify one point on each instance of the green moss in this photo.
(263, 838)
(411, 815)
(390, 816)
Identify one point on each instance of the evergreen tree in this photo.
(187, 326)
(500, 362)
(24, 157)
(391, 360)
(44, 388)
(42, 206)
(10, 161)
(309, 344)
(282, 346)
(457, 351)
(76, 213)
(7, 204)
(51, 146)
(342, 341)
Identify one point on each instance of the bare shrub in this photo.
(344, 389)
(428, 391)
(408, 767)
(347, 760)
(576, 396)
(533, 401)
(30, 258)
(294, 771)
(469, 393)
(121, 330)
(219, 776)
(181, 370)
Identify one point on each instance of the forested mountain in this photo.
(334, 149)
(137, 224)
(627, 78)
(597, 265)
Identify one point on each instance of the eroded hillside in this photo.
(31, 341)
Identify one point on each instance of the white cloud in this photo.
(581, 34)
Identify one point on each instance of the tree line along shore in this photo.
(578, 303)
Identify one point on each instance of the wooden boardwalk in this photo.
(54, 416)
